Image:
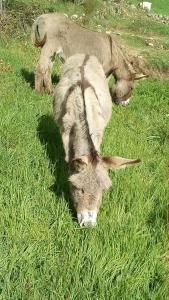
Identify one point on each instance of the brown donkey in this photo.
(58, 35)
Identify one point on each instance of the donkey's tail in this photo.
(38, 34)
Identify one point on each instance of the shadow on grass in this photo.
(29, 77)
(49, 136)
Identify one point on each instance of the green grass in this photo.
(134, 41)
(160, 7)
(139, 25)
(43, 252)
(159, 60)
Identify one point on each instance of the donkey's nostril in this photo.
(90, 214)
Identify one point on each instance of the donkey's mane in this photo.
(124, 63)
(84, 84)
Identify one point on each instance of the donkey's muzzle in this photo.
(87, 218)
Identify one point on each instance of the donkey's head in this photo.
(123, 89)
(88, 182)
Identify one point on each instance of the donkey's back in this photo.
(82, 105)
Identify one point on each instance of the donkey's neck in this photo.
(120, 67)
(123, 71)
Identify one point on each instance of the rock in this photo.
(146, 5)
(164, 19)
(150, 44)
(74, 16)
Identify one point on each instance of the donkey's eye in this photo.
(82, 191)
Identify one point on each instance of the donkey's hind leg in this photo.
(38, 79)
(43, 70)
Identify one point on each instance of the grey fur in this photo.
(82, 108)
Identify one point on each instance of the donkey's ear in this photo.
(116, 162)
(140, 76)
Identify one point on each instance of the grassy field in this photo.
(43, 252)
(160, 7)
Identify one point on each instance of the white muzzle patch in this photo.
(87, 218)
(125, 103)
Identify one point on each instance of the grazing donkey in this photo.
(58, 35)
(82, 108)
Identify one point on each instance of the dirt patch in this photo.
(138, 59)
(141, 65)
